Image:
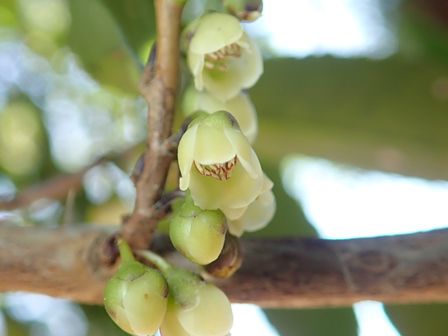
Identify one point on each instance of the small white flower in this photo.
(240, 106)
(218, 165)
(221, 57)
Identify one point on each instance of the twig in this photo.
(292, 272)
(54, 188)
(59, 186)
(158, 87)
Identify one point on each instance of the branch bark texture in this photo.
(158, 87)
(290, 272)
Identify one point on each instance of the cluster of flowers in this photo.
(227, 192)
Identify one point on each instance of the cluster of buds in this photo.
(142, 300)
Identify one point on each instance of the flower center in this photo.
(217, 59)
(219, 171)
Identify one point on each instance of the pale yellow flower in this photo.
(240, 106)
(222, 57)
(218, 165)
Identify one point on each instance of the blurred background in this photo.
(353, 111)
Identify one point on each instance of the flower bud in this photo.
(239, 106)
(245, 10)
(229, 261)
(198, 308)
(221, 57)
(136, 296)
(198, 234)
(218, 165)
(258, 214)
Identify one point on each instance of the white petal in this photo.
(259, 213)
(246, 155)
(211, 317)
(214, 31)
(212, 145)
(185, 154)
(233, 213)
(237, 192)
(196, 65)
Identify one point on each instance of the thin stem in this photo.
(125, 251)
(158, 87)
(157, 260)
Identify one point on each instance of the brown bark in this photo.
(158, 87)
(292, 272)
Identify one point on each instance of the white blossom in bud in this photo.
(221, 57)
(211, 315)
(240, 106)
(218, 165)
(257, 215)
(136, 296)
(198, 234)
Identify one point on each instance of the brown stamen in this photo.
(219, 171)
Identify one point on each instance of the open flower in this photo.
(221, 57)
(240, 106)
(258, 214)
(218, 165)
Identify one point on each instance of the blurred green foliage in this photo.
(388, 115)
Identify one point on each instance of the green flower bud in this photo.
(258, 214)
(218, 165)
(198, 234)
(246, 10)
(221, 57)
(136, 296)
(239, 106)
(196, 308)
(200, 308)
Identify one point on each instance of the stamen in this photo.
(219, 171)
(217, 59)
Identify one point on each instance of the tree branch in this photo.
(54, 188)
(290, 272)
(158, 87)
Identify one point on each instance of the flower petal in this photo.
(185, 154)
(246, 155)
(214, 31)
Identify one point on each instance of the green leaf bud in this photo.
(198, 234)
(136, 296)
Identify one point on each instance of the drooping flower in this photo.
(136, 296)
(218, 165)
(221, 56)
(198, 234)
(240, 106)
